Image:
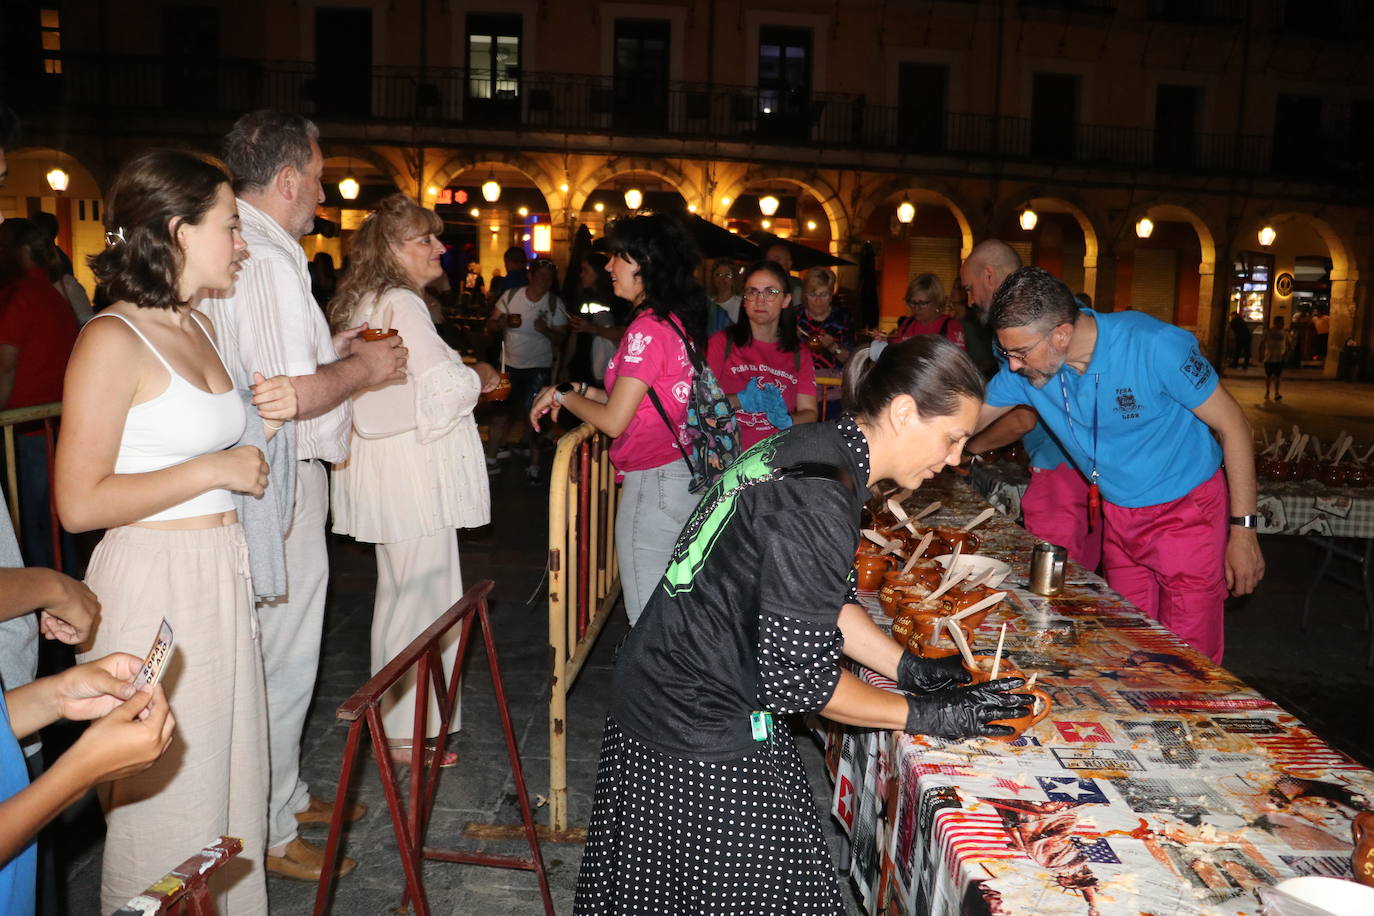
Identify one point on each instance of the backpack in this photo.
(712, 435)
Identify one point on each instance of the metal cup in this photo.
(1047, 568)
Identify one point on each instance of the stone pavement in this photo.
(1317, 675)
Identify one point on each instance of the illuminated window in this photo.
(50, 38)
(493, 57)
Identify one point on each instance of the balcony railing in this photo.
(121, 86)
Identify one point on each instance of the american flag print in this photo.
(1302, 753)
(963, 836)
(1079, 732)
(1072, 788)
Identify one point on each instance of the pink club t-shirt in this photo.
(947, 325)
(792, 375)
(652, 352)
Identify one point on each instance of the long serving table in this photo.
(1158, 783)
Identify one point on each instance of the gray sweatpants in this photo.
(654, 505)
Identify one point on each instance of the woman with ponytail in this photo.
(702, 804)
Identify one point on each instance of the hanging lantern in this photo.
(768, 205)
(1028, 219)
(349, 188)
(58, 179)
(906, 212)
(634, 198)
(491, 189)
(1144, 228)
(1267, 236)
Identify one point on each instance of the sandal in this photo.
(400, 756)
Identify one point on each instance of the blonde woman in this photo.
(925, 302)
(415, 472)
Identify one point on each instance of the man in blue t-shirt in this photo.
(1136, 407)
(1055, 506)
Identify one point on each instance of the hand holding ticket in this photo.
(151, 672)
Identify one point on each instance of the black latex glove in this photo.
(922, 675)
(964, 712)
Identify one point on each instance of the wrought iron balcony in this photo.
(108, 88)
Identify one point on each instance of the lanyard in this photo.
(1094, 492)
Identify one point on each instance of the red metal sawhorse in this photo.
(185, 889)
(410, 820)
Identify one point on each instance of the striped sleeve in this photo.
(275, 317)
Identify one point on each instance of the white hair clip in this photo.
(876, 349)
(114, 238)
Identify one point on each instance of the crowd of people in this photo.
(206, 406)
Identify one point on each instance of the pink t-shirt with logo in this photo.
(792, 375)
(652, 352)
(947, 325)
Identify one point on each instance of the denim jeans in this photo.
(654, 505)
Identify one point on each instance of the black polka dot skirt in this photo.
(675, 836)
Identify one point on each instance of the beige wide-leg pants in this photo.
(417, 580)
(213, 779)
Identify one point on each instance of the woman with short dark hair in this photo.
(653, 260)
(147, 451)
(702, 804)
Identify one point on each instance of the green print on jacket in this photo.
(712, 515)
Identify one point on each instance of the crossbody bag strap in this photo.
(672, 430)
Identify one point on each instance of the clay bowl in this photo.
(982, 673)
(500, 392)
(1333, 475)
(1356, 476)
(1271, 469)
(1306, 469)
(898, 586)
(901, 630)
(377, 333)
(870, 569)
(952, 536)
(1280, 469)
(938, 548)
(926, 644)
(955, 600)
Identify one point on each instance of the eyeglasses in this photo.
(769, 293)
(1019, 353)
(919, 303)
(725, 273)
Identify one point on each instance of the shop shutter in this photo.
(935, 256)
(1154, 282)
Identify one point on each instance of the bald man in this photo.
(1055, 507)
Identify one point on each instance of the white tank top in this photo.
(181, 423)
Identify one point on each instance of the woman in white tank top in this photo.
(147, 451)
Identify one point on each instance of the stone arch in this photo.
(1091, 224)
(1174, 208)
(577, 196)
(79, 209)
(374, 157)
(822, 190)
(936, 192)
(1345, 272)
(531, 168)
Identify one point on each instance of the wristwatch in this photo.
(1244, 521)
(563, 388)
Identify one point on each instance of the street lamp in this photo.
(634, 198)
(491, 188)
(1267, 236)
(348, 188)
(58, 180)
(1028, 219)
(1144, 227)
(906, 212)
(768, 205)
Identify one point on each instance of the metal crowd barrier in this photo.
(584, 583)
(410, 819)
(48, 415)
(185, 889)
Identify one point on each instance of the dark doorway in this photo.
(922, 94)
(190, 47)
(1176, 110)
(1298, 142)
(1054, 116)
(494, 71)
(641, 73)
(785, 83)
(343, 62)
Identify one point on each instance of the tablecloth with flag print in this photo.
(1159, 782)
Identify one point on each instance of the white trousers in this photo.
(212, 780)
(417, 580)
(291, 630)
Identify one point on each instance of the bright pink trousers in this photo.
(1055, 508)
(1169, 560)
